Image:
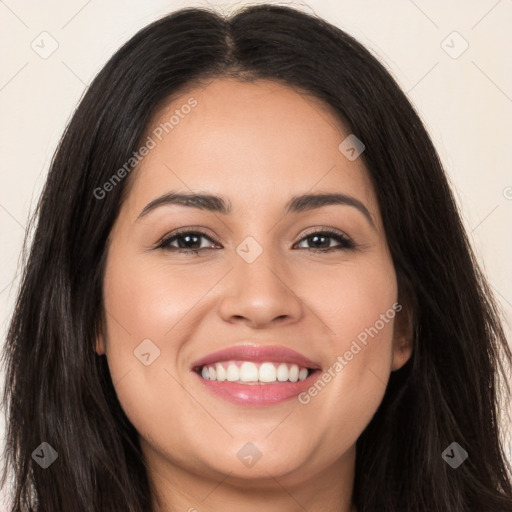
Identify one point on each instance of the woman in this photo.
(249, 286)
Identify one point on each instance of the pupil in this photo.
(316, 237)
(186, 239)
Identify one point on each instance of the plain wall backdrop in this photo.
(452, 58)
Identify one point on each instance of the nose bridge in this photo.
(259, 267)
(259, 288)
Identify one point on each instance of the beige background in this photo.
(465, 102)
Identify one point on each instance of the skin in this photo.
(256, 144)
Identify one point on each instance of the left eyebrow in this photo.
(218, 204)
(312, 201)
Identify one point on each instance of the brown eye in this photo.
(321, 241)
(187, 242)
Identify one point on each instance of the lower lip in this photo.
(255, 394)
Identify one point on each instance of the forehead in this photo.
(257, 143)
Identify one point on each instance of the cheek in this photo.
(146, 309)
(359, 306)
(363, 314)
(355, 301)
(148, 299)
(142, 307)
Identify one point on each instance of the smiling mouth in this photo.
(253, 373)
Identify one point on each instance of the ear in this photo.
(402, 337)
(100, 345)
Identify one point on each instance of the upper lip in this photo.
(257, 353)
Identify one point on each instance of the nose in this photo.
(260, 293)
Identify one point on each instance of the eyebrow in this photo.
(218, 204)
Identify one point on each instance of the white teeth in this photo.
(221, 373)
(293, 374)
(282, 373)
(232, 374)
(249, 372)
(268, 372)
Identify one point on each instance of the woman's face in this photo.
(261, 279)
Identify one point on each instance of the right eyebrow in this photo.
(201, 201)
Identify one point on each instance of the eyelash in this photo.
(345, 242)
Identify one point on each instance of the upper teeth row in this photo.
(250, 372)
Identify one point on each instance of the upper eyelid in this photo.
(182, 232)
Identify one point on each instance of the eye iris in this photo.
(315, 239)
(187, 240)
